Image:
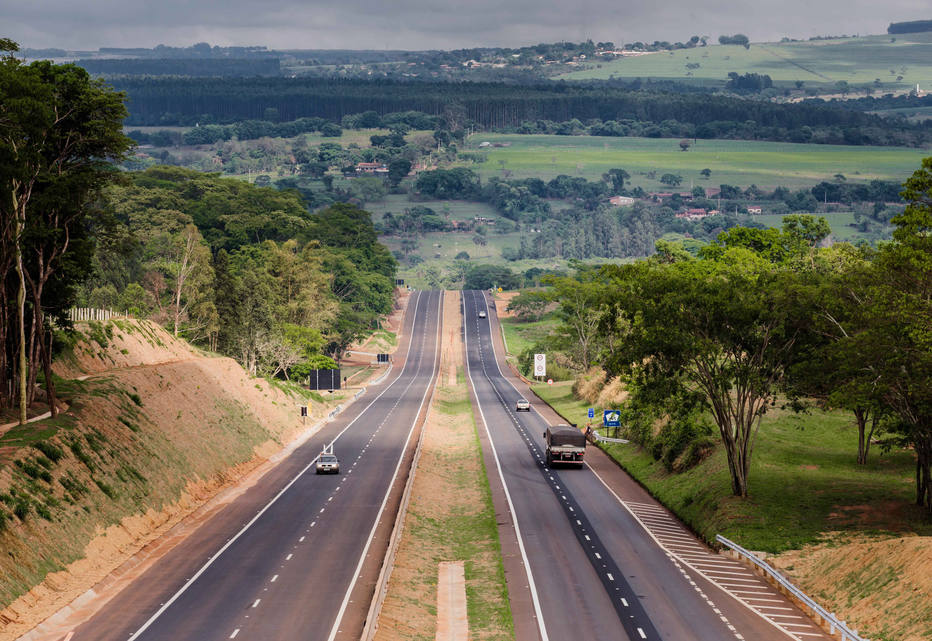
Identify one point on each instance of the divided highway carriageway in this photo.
(296, 556)
(599, 558)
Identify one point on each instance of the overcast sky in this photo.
(432, 24)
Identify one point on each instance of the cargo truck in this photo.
(565, 445)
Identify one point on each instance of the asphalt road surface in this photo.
(593, 570)
(283, 560)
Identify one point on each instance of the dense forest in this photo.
(189, 101)
(261, 269)
(243, 270)
(915, 26)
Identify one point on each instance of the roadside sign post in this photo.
(540, 365)
(612, 418)
(590, 413)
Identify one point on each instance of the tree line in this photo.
(187, 101)
(197, 67)
(243, 270)
(760, 316)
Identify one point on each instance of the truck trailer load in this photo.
(565, 445)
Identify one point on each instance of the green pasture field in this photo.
(733, 162)
(521, 337)
(804, 482)
(817, 63)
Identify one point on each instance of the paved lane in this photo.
(598, 573)
(281, 561)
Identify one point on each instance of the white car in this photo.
(482, 314)
(522, 405)
(328, 464)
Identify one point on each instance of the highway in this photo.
(594, 570)
(296, 555)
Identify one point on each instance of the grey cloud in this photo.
(421, 24)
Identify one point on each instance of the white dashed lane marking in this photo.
(629, 618)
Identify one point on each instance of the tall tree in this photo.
(723, 329)
(59, 132)
(901, 325)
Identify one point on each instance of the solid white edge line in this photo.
(210, 561)
(378, 517)
(681, 559)
(514, 515)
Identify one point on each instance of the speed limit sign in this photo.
(540, 364)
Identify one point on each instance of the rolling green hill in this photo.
(898, 61)
(735, 162)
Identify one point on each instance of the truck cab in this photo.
(565, 444)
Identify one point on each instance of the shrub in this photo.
(81, 455)
(21, 507)
(52, 451)
(29, 468)
(105, 488)
(73, 486)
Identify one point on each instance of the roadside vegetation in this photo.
(773, 389)
(761, 322)
(806, 482)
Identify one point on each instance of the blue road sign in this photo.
(591, 413)
(611, 418)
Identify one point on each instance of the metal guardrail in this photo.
(609, 439)
(835, 626)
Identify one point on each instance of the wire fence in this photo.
(95, 314)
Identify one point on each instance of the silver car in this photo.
(482, 314)
(522, 405)
(328, 464)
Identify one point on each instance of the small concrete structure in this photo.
(452, 623)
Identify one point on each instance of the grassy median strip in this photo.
(450, 518)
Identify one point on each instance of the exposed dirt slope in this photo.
(119, 344)
(153, 432)
(882, 587)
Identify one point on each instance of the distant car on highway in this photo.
(482, 314)
(328, 464)
(522, 405)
